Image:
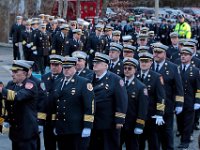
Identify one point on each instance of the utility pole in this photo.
(156, 9)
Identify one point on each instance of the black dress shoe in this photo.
(183, 146)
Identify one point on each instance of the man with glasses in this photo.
(142, 40)
(111, 106)
(155, 86)
(174, 93)
(20, 100)
(137, 106)
(74, 108)
(51, 80)
(129, 51)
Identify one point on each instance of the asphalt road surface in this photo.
(5, 64)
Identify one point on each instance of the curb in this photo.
(5, 45)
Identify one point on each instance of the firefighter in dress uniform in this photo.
(81, 65)
(155, 87)
(116, 65)
(191, 86)
(174, 94)
(111, 106)
(51, 80)
(20, 96)
(74, 105)
(137, 106)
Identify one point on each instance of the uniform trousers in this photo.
(25, 145)
(108, 139)
(151, 135)
(49, 137)
(185, 120)
(166, 133)
(69, 142)
(130, 139)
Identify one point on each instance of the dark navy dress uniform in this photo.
(111, 106)
(50, 82)
(86, 73)
(15, 34)
(155, 85)
(74, 104)
(21, 106)
(136, 113)
(42, 44)
(117, 68)
(94, 44)
(26, 39)
(174, 98)
(191, 87)
(58, 43)
(195, 62)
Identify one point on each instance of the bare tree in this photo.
(78, 9)
(98, 7)
(60, 7)
(65, 9)
(38, 6)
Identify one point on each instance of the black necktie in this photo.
(183, 72)
(184, 68)
(126, 83)
(112, 66)
(142, 79)
(157, 68)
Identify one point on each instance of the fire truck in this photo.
(87, 9)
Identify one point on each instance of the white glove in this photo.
(86, 132)
(138, 131)
(178, 110)
(35, 52)
(9, 41)
(159, 120)
(28, 45)
(17, 44)
(6, 125)
(91, 51)
(54, 131)
(40, 128)
(196, 106)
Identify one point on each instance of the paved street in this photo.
(5, 63)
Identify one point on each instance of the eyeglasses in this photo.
(55, 64)
(142, 39)
(67, 67)
(127, 68)
(144, 61)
